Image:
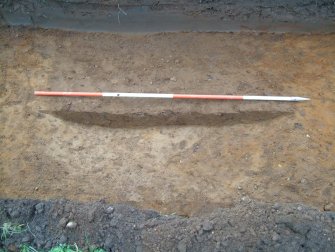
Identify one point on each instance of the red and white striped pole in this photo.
(172, 96)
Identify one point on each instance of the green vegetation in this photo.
(98, 250)
(59, 248)
(66, 248)
(90, 247)
(26, 248)
(8, 229)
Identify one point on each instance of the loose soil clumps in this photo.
(248, 226)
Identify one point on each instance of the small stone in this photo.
(15, 213)
(39, 207)
(48, 245)
(63, 239)
(26, 239)
(298, 126)
(308, 136)
(40, 243)
(11, 247)
(173, 79)
(182, 246)
(275, 237)
(138, 248)
(67, 208)
(276, 206)
(299, 208)
(71, 225)
(141, 226)
(243, 230)
(108, 244)
(62, 222)
(196, 147)
(207, 226)
(303, 181)
(329, 207)
(60, 212)
(71, 215)
(91, 215)
(109, 210)
(239, 188)
(113, 223)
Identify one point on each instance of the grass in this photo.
(97, 250)
(66, 248)
(90, 247)
(26, 248)
(8, 229)
(72, 248)
(59, 248)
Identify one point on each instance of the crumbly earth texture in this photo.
(249, 226)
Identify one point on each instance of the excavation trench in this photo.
(185, 157)
(165, 118)
(174, 156)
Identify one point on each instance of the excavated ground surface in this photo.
(171, 156)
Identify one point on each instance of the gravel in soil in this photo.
(248, 226)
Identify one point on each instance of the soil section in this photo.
(172, 156)
(264, 227)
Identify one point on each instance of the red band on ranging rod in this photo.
(57, 93)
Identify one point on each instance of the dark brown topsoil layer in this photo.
(249, 226)
(170, 15)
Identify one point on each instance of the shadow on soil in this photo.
(166, 118)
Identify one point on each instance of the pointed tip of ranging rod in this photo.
(300, 99)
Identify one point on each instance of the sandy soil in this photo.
(172, 156)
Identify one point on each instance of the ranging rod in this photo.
(173, 96)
